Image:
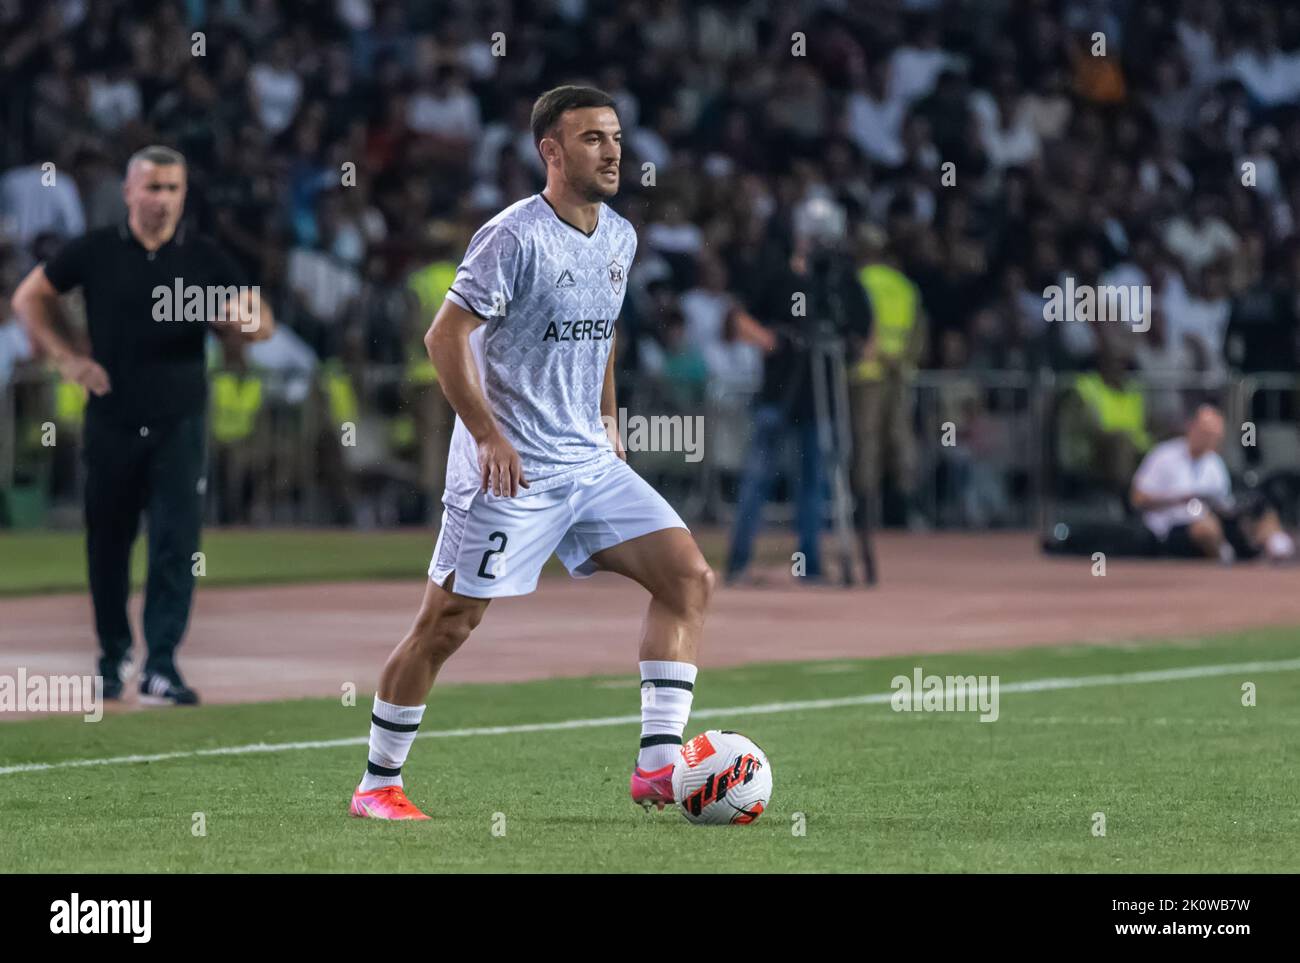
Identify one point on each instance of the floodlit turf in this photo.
(1188, 778)
(56, 561)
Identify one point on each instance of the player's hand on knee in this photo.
(502, 471)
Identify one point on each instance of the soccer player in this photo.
(523, 345)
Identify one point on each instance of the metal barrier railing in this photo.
(374, 453)
(973, 435)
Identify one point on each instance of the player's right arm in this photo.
(447, 342)
(36, 302)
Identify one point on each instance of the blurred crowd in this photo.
(345, 150)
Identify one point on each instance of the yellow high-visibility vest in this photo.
(236, 401)
(1117, 409)
(69, 403)
(339, 392)
(419, 369)
(894, 304)
(401, 431)
(430, 285)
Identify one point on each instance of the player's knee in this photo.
(691, 588)
(704, 580)
(440, 634)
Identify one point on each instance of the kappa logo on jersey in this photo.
(616, 276)
(566, 279)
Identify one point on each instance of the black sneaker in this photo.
(115, 681)
(158, 690)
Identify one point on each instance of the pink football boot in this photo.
(386, 802)
(652, 788)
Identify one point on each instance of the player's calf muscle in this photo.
(444, 623)
(675, 617)
(413, 666)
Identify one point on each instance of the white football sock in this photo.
(392, 730)
(667, 689)
(1279, 546)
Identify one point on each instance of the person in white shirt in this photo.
(1184, 493)
(275, 89)
(1201, 237)
(914, 69)
(34, 200)
(446, 108)
(873, 117)
(15, 346)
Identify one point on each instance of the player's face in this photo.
(155, 195)
(591, 148)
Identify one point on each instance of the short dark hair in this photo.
(155, 154)
(549, 107)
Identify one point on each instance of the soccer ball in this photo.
(722, 777)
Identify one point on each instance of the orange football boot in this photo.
(386, 802)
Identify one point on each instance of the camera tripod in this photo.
(834, 441)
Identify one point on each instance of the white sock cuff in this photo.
(1280, 545)
(401, 715)
(677, 671)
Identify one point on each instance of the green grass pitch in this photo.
(56, 561)
(1188, 778)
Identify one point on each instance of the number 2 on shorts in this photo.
(482, 566)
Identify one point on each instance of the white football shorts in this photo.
(498, 545)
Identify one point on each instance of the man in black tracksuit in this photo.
(151, 294)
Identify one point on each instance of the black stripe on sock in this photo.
(670, 684)
(381, 771)
(394, 726)
(660, 741)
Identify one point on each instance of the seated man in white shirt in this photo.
(1184, 493)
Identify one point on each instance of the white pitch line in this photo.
(878, 698)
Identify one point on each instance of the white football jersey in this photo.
(549, 295)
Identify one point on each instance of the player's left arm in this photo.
(609, 404)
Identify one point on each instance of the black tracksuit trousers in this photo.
(156, 471)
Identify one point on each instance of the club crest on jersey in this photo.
(566, 279)
(616, 276)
